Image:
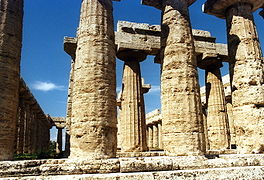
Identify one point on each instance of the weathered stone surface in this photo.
(145, 37)
(247, 72)
(157, 165)
(93, 122)
(11, 16)
(224, 173)
(132, 116)
(217, 119)
(180, 96)
(219, 7)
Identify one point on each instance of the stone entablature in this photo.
(59, 122)
(153, 117)
(146, 37)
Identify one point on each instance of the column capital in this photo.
(131, 55)
(262, 12)
(218, 7)
(210, 62)
(70, 45)
(158, 3)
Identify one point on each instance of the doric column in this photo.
(132, 120)
(155, 136)
(180, 93)
(150, 137)
(229, 110)
(93, 122)
(10, 51)
(69, 112)
(160, 135)
(70, 46)
(59, 141)
(204, 110)
(217, 122)
(246, 70)
(21, 124)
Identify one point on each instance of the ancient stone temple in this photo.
(246, 70)
(209, 132)
(10, 51)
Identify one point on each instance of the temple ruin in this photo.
(199, 132)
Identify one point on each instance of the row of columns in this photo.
(93, 116)
(33, 126)
(246, 70)
(154, 136)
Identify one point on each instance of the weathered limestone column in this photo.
(59, 141)
(160, 135)
(69, 112)
(150, 136)
(155, 136)
(229, 110)
(217, 122)
(93, 122)
(70, 46)
(204, 110)
(246, 70)
(132, 121)
(10, 51)
(21, 124)
(180, 93)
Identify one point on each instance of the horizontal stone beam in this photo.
(59, 122)
(139, 36)
(145, 37)
(218, 7)
(28, 98)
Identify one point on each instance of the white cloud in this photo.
(46, 86)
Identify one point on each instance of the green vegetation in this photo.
(49, 154)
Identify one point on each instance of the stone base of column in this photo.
(187, 144)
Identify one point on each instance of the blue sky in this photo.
(45, 66)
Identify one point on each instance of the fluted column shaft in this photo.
(21, 124)
(155, 136)
(27, 129)
(229, 110)
(10, 51)
(93, 122)
(150, 136)
(247, 72)
(217, 122)
(160, 135)
(180, 94)
(69, 111)
(59, 141)
(132, 122)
